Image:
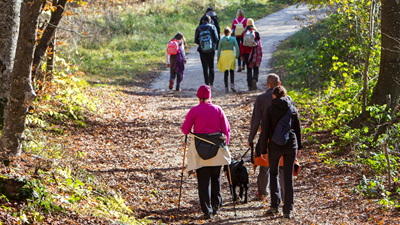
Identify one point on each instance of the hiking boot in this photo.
(233, 87)
(171, 84)
(207, 216)
(271, 211)
(254, 84)
(215, 211)
(286, 215)
(260, 197)
(226, 90)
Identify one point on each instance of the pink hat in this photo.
(204, 92)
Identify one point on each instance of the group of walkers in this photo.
(208, 150)
(210, 129)
(241, 42)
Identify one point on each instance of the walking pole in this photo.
(183, 167)
(230, 186)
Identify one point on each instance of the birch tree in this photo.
(9, 23)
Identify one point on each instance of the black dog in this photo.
(240, 178)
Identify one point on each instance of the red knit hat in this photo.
(204, 92)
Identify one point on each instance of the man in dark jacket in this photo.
(214, 20)
(261, 105)
(206, 37)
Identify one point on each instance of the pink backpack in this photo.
(173, 47)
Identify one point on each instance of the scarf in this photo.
(255, 56)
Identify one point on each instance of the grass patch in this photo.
(295, 58)
(128, 45)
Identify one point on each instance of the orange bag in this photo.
(296, 168)
(258, 161)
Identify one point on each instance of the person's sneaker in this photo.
(171, 84)
(254, 84)
(212, 87)
(226, 90)
(233, 87)
(243, 67)
(250, 88)
(271, 211)
(286, 215)
(240, 69)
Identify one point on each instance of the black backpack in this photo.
(282, 131)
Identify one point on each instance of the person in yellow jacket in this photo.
(227, 59)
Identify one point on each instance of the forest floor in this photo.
(136, 146)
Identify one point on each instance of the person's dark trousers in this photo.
(288, 164)
(226, 75)
(238, 40)
(252, 73)
(207, 61)
(172, 72)
(263, 181)
(209, 187)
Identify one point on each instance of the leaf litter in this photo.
(136, 146)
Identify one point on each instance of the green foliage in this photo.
(324, 63)
(66, 99)
(370, 187)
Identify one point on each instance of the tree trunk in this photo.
(389, 74)
(48, 34)
(9, 23)
(21, 94)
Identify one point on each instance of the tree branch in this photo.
(62, 28)
(48, 33)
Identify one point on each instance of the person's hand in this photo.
(168, 65)
(264, 156)
(298, 153)
(185, 61)
(241, 58)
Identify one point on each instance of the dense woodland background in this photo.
(73, 59)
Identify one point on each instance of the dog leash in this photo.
(245, 153)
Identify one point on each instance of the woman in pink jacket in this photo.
(238, 26)
(207, 119)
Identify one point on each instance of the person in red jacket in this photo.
(240, 23)
(250, 37)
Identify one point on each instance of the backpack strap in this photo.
(237, 21)
(290, 113)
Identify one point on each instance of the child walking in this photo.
(175, 58)
(227, 60)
